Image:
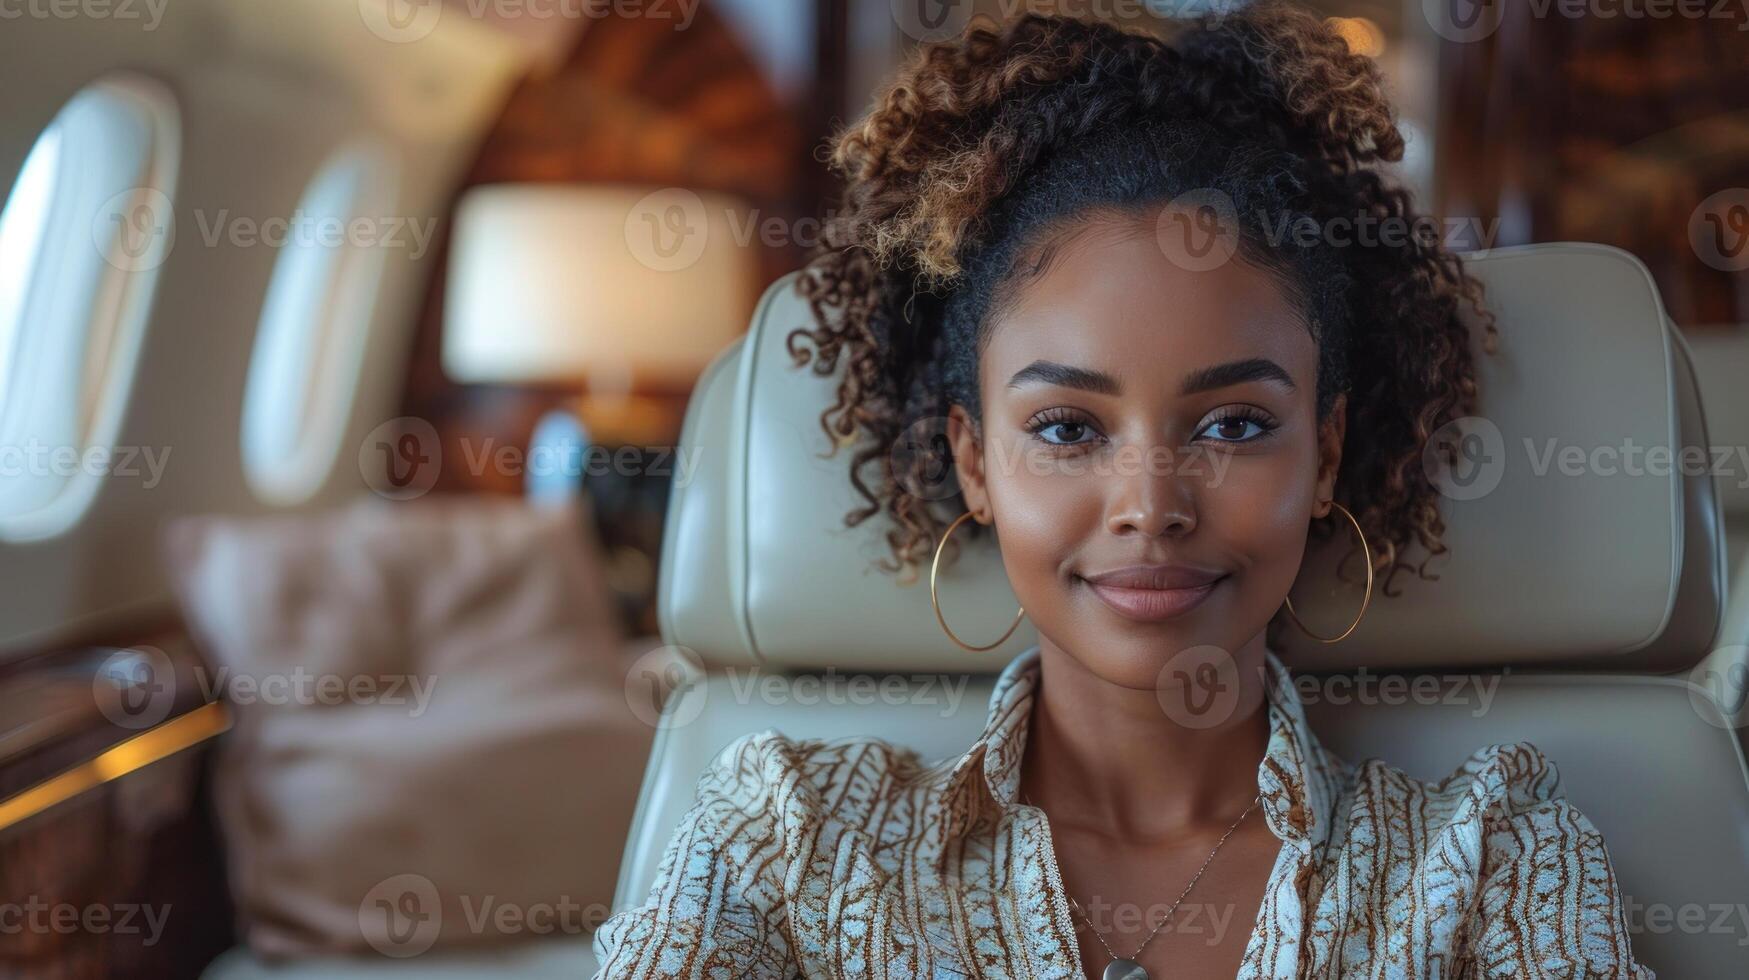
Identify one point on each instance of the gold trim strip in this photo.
(165, 740)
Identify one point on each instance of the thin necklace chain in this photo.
(1181, 895)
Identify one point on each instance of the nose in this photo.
(1152, 501)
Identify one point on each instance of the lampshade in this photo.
(605, 285)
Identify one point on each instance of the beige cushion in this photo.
(431, 718)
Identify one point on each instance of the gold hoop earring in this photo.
(935, 600)
(1366, 552)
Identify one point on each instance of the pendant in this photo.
(1125, 970)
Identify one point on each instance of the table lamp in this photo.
(625, 293)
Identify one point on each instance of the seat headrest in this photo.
(1578, 534)
(1721, 367)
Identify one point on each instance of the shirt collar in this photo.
(1298, 779)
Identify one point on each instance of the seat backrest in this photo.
(1721, 364)
(1585, 580)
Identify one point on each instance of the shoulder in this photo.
(1494, 781)
(771, 755)
(807, 780)
(1548, 901)
(1502, 802)
(1513, 794)
(1534, 874)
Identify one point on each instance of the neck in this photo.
(1118, 761)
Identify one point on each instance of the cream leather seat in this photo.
(1721, 362)
(1593, 592)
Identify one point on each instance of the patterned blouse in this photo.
(855, 858)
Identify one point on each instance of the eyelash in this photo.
(1052, 417)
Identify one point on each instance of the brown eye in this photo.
(1064, 433)
(1237, 427)
(1060, 427)
(1234, 429)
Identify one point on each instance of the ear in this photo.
(967, 444)
(1330, 433)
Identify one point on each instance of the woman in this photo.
(1100, 258)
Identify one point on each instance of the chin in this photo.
(1140, 658)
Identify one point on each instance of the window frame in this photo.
(306, 364)
(88, 299)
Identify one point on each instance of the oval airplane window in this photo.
(310, 345)
(22, 225)
(86, 226)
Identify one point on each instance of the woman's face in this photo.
(1140, 414)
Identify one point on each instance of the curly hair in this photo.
(985, 145)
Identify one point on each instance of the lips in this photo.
(1169, 577)
(1150, 593)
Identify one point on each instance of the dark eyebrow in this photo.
(1065, 376)
(1204, 379)
(1233, 373)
